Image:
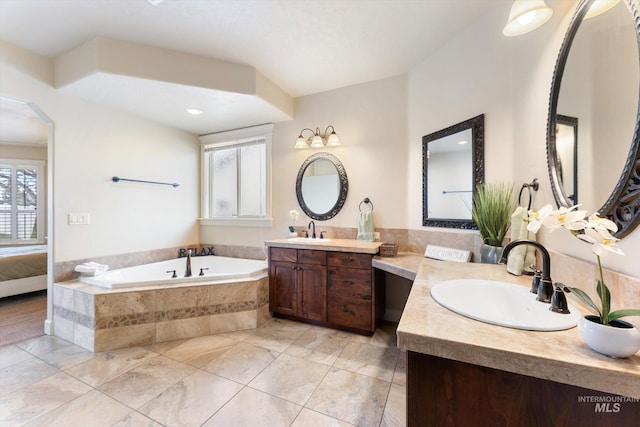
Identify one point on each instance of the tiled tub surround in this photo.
(100, 319)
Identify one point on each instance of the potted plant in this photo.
(493, 204)
(294, 214)
(604, 332)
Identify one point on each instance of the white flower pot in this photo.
(609, 340)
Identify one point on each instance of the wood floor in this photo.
(22, 317)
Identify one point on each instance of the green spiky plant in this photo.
(493, 204)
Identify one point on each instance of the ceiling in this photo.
(302, 46)
(19, 124)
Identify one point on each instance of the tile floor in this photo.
(282, 374)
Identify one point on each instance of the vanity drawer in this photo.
(349, 282)
(347, 259)
(349, 312)
(312, 257)
(283, 254)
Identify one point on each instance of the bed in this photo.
(22, 269)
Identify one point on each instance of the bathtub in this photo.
(215, 268)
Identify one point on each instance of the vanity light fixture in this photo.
(525, 16)
(318, 140)
(600, 6)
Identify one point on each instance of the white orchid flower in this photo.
(599, 223)
(602, 241)
(536, 218)
(293, 213)
(569, 218)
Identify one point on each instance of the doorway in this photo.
(26, 206)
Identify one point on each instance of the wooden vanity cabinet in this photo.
(298, 283)
(337, 289)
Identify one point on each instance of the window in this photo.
(21, 201)
(236, 177)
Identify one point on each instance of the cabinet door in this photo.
(312, 292)
(282, 288)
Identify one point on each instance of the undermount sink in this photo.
(501, 303)
(309, 239)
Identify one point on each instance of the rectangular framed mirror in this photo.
(452, 167)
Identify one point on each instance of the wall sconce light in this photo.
(525, 16)
(600, 6)
(318, 140)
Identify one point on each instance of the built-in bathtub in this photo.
(144, 305)
(203, 269)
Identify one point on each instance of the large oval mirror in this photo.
(452, 167)
(597, 84)
(321, 186)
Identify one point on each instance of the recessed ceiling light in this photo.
(155, 2)
(195, 111)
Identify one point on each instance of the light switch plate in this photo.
(79, 218)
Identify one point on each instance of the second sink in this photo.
(501, 303)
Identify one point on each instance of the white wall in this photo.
(509, 80)
(370, 120)
(93, 143)
(469, 76)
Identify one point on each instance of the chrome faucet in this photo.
(547, 290)
(188, 272)
(313, 235)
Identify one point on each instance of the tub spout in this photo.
(188, 272)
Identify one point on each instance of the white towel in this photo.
(523, 256)
(91, 268)
(365, 226)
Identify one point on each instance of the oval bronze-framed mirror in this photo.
(322, 186)
(597, 81)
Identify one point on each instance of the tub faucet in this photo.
(313, 235)
(188, 272)
(547, 291)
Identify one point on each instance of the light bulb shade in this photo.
(333, 140)
(316, 142)
(525, 16)
(600, 6)
(300, 142)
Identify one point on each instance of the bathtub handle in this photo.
(174, 275)
(202, 271)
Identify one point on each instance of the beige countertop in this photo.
(561, 356)
(335, 245)
(405, 264)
